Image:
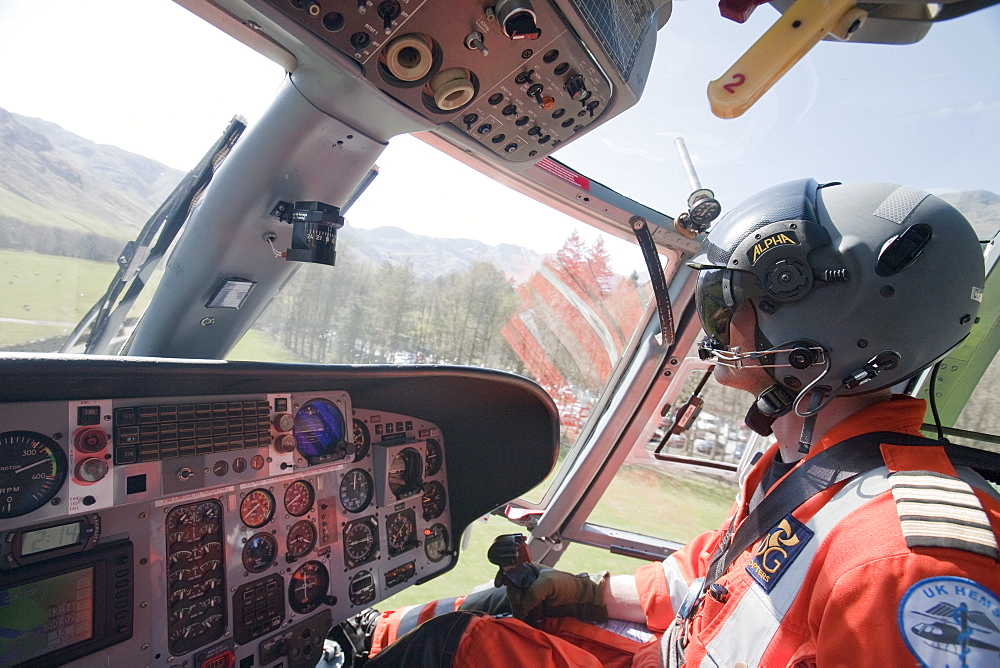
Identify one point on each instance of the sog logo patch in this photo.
(773, 241)
(777, 550)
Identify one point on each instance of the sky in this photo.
(925, 114)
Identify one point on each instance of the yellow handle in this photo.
(799, 28)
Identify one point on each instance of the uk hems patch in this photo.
(777, 550)
(950, 621)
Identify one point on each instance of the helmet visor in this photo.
(711, 299)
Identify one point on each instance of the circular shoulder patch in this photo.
(950, 621)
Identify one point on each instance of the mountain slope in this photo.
(981, 207)
(58, 190)
(431, 257)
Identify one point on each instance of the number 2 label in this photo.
(738, 80)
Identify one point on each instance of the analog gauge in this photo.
(405, 473)
(401, 531)
(436, 542)
(182, 526)
(434, 499)
(301, 539)
(319, 431)
(360, 542)
(308, 587)
(356, 490)
(260, 552)
(361, 589)
(433, 458)
(180, 517)
(208, 511)
(257, 508)
(299, 498)
(33, 472)
(362, 440)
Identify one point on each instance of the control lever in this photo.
(510, 553)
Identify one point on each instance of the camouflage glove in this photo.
(558, 594)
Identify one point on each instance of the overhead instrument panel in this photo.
(234, 527)
(514, 78)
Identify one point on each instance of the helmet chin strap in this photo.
(776, 401)
(771, 404)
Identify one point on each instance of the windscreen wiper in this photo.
(140, 257)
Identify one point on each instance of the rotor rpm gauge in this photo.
(436, 542)
(362, 440)
(360, 542)
(308, 587)
(433, 457)
(401, 531)
(260, 552)
(299, 498)
(32, 471)
(319, 431)
(356, 489)
(301, 539)
(433, 500)
(257, 508)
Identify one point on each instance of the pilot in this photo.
(853, 541)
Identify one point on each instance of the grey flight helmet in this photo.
(856, 287)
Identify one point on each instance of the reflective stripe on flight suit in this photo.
(396, 623)
(676, 581)
(752, 625)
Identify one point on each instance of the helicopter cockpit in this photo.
(236, 420)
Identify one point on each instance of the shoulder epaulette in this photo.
(938, 510)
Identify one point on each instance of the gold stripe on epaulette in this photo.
(936, 510)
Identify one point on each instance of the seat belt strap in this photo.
(837, 463)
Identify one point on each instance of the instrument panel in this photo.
(510, 77)
(203, 529)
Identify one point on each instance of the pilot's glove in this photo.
(557, 594)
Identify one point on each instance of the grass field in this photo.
(45, 295)
(50, 288)
(58, 291)
(256, 346)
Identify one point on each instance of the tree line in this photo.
(363, 312)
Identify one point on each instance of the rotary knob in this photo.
(576, 86)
